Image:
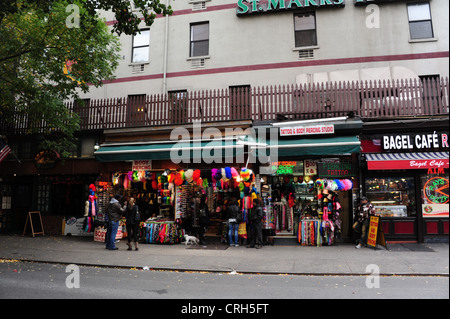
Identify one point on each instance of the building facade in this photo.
(348, 71)
(211, 45)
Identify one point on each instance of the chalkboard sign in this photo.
(376, 234)
(37, 219)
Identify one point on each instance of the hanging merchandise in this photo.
(163, 233)
(92, 212)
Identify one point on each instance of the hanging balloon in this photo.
(213, 173)
(178, 179)
(228, 172)
(319, 184)
(234, 172)
(171, 178)
(224, 175)
(188, 175)
(218, 175)
(196, 175)
(245, 174)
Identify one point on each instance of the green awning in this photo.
(312, 146)
(219, 151)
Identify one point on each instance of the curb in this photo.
(228, 272)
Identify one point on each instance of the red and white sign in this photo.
(307, 130)
(408, 164)
(310, 167)
(142, 165)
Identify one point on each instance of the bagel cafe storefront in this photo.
(406, 178)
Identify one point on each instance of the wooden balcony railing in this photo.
(369, 100)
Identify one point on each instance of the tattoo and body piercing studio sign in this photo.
(248, 7)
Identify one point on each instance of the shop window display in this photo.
(392, 196)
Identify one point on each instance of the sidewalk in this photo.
(340, 259)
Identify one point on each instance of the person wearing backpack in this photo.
(133, 219)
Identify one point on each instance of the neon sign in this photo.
(436, 190)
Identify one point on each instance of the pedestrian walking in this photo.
(114, 212)
(132, 217)
(361, 224)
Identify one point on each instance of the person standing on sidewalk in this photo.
(115, 212)
(361, 225)
(256, 222)
(132, 223)
(234, 217)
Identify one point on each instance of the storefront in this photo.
(406, 178)
(176, 201)
(309, 189)
(180, 186)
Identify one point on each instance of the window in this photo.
(137, 111)
(199, 39)
(240, 101)
(178, 106)
(419, 16)
(43, 197)
(141, 44)
(305, 29)
(392, 196)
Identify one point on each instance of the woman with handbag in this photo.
(133, 219)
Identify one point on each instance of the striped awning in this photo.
(394, 161)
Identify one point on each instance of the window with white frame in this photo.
(141, 45)
(199, 39)
(305, 29)
(419, 16)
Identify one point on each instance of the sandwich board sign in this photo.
(376, 234)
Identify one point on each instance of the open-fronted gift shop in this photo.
(309, 189)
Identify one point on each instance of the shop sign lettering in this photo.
(436, 190)
(415, 141)
(307, 130)
(143, 165)
(310, 167)
(336, 170)
(46, 159)
(287, 168)
(362, 2)
(246, 7)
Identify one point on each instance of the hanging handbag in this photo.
(137, 217)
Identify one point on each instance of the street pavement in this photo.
(341, 259)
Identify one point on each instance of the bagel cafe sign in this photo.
(248, 7)
(417, 142)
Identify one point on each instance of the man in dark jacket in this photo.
(114, 212)
(361, 225)
(256, 222)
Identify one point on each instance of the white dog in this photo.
(190, 239)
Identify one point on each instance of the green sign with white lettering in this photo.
(247, 7)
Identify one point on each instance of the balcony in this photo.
(368, 100)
